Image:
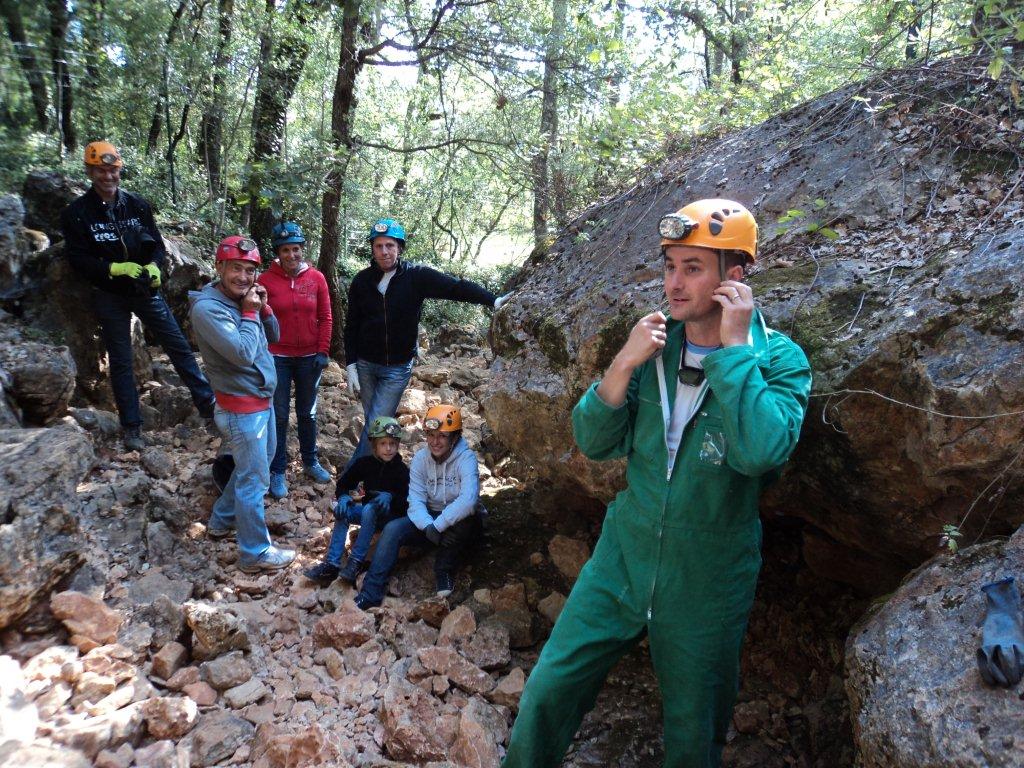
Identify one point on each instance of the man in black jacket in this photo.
(111, 240)
(385, 302)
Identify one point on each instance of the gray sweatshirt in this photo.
(445, 493)
(234, 348)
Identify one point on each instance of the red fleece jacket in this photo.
(303, 309)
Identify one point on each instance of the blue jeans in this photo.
(403, 532)
(380, 389)
(370, 517)
(250, 438)
(306, 375)
(115, 316)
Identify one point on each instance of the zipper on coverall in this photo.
(669, 466)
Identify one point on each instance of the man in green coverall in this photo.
(706, 406)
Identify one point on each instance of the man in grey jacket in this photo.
(233, 324)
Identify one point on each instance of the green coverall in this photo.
(679, 551)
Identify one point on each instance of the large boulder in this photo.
(17, 245)
(39, 539)
(916, 696)
(46, 193)
(909, 297)
(40, 377)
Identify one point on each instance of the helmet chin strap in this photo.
(721, 265)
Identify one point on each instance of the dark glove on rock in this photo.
(1001, 656)
(432, 534)
(321, 360)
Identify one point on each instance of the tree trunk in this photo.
(275, 85)
(211, 126)
(27, 59)
(342, 107)
(61, 74)
(161, 105)
(548, 123)
(738, 41)
(93, 14)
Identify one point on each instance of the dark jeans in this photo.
(306, 374)
(115, 316)
(403, 532)
(370, 517)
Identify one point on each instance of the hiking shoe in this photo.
(318, 473)
(273, 559)
(363, 603)
(445, 584)
(278, 487)
(133, 439)
(322, 573)
(218, 533)
(350, 571)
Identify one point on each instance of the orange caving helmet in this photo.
(444, 418)
(723, 225)
(102, 153)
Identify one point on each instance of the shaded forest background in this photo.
(482, 124)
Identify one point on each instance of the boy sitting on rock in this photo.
(370, 493)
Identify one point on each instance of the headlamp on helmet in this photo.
(102, 153)
(443, 418)
(676, 227)
(385, 426)
(238, 247)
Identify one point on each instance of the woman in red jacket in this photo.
(298, 295)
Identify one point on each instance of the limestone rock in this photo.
(46, 193)
(154, 584)
(226, 671)
(344, 629)
(488, 647)
(245, 694)
(448, 662)
(168, 659)
(39, 540)
(170, 717)
(18, 716)
(217, 736)
(457, 625)
(568, 555)
(201, 693)
(16, 755)
(551, 606)
(481, 729)
(90, 622)
(413, 728)
(509, 689)
(916, 697)
(215, 630)
(109, 731)
(432, 610)
(159, 754)
(306, 749)
(413, 635)
(42, 379)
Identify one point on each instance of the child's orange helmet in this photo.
(444, 418)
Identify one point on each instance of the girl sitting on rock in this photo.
(372, 491)
(444, 488)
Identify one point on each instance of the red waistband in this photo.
(242, 403)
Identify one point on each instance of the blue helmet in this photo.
(388, 228)
(286, 232)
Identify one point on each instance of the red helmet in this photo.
(238, 248)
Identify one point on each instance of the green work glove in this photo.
(154, 274)
(125, 269)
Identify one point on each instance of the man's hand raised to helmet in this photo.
(737, 302)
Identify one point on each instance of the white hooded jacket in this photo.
(443, 493)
